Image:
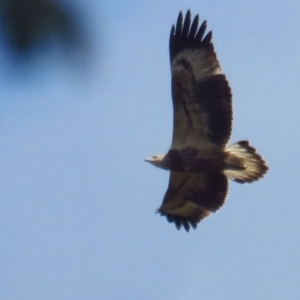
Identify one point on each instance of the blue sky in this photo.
(77, 200)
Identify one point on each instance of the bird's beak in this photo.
(148, 159)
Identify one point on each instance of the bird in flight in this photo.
(199, 160)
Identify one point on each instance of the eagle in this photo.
(199, 160)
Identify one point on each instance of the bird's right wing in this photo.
(191, 197)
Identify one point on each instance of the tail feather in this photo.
(245, 165)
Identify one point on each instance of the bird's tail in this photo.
(244, 164)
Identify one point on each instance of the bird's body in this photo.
(199, 159)
(193, 160)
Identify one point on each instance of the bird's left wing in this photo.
(191, 197)
(201, 94)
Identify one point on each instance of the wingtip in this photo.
(179, 21)
(188, 14)
(172, 31)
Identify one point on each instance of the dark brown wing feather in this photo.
(201, 94)
(191, 197)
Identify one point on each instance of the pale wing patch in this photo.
(203, 63)
(188, 209)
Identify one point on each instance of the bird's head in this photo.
(156, 160)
